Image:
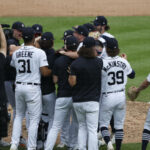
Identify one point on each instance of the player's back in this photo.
(27, 61)
(114, 74)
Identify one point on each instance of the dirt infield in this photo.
(74, 7)
(134, 123)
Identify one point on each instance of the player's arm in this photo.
(55, 79)
(132, 75)
(70, 54)
(72, 77)
(3, 47)
(45, 71)
(143, 86)
(55, 71)
(72, 80)
(13, 48)
(129, 71)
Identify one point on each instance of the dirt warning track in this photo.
(74, 7)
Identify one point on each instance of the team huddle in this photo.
(90, 77)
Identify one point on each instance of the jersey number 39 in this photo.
(116, 77)
(25, 66)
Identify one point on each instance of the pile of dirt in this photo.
(135, 119)
(74, 7)
(134, 123)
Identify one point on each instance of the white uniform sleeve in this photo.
(80, 45)
(128, 68)
(104, 53)
(43, 59)
(12, 63)
(148, 78)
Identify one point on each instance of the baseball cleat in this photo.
(101, 143)
(99, 135)
(13, 147)
(40, 145)
(22, 142)
(4, 144)
(110, 146)
(113, 139)
(61, 145)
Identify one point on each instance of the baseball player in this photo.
(30, 63)
(85, 78)
(48, 90)
(64, 95)
(38, 30)
(68, 136)
(81, 32)
(101, 25)
(3, 97)
(146, 131)
(10, 72)
(114, 74)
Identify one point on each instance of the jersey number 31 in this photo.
(25, 66)
(116, 77)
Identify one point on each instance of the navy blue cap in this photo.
(100, 20)
(18, 26)
(47, 36)
(67, 33)
(37, 28)
(89, 42)
(111, 43)
(82, 30)
(71, 41)
(28, 33)
(90, 27)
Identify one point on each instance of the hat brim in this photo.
(38, 32)
(96, 23)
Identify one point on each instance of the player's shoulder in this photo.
(123, 60)
(18, 50)
(77, 61)
(108, 35)
(38, 51)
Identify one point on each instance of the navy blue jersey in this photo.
(47, 84)
(10, 72)
(2, 88)
(88, 75)
(60, 70)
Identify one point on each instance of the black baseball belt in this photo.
(27, 83)
(113, 91)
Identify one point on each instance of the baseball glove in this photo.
(94, 34)
(132, 93)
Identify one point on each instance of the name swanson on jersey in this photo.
(24, 54)
(119, 64)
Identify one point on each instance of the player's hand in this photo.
(68, 70)
(123, 55)
(0, 28)
(36, 42)
(62, 52)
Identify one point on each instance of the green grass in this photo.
(133, 34)
(135, 146)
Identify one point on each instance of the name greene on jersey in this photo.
(24, 54)
(119, 64)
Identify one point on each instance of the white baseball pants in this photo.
(147, 122)
(87, 115)
(28, 97)
(62, 106)
(113, 104)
